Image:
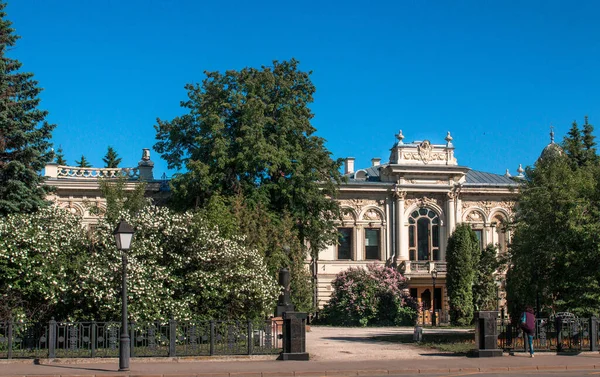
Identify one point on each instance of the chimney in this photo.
(349, 168)
(145, 166)
(376, 161)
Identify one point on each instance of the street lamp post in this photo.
(123, 234)
(434, 274)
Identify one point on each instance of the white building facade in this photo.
(402, 212)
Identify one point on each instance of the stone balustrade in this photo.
(63, 171)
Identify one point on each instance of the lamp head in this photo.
(123, 234)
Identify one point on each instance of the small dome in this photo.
(551, 150)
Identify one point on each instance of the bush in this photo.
(370, 297)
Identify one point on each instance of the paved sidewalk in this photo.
(334, 351)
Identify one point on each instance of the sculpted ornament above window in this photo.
(372, 215)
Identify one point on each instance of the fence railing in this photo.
(559, 335)
(173, 338)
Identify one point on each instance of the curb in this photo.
(339, 373)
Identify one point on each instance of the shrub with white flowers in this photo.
(41, 255)
(178, 267)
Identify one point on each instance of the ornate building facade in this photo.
(402, 212)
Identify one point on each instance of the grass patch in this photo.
(455, 343)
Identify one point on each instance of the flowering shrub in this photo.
(41, 254)
(370, 297)
(178, 267)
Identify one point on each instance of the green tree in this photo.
(589, 143)
(83, 162)
(60, 157)
(24, 133)
(484, 290)
(248, 133)
(122, 196)
(111, 159)
(462, 257)
(555, 248)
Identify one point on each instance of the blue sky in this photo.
(494, 73)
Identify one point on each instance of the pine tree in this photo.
(83, 162)
(573, 145)
(112, 159)
(60, 157)
(24, 133)
(589, 145)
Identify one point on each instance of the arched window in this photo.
(424, 235)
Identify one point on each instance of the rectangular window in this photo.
(479, 234)
(372, 250)
(344, 243)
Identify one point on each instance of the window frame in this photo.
(379, 241)
(351, 233)
(433, 245)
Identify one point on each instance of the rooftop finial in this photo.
(507, 174)
(448, 138)
(551, 134)
(520, 170)
(400, 137)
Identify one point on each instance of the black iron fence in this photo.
(160, 339)
(552, 334)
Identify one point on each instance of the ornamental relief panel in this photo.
(487, 206)
(372, 215)
(475, 216)
(440, 156)
(423, 201)
(358, 204)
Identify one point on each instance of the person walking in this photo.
(528, 327)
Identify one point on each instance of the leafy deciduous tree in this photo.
(248, 133)
(485, 288)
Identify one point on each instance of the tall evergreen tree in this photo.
(589, 143)
(83, 162)
(462, 256)
(24, 132)
(573, 145)
(111, 159)
(60, 157)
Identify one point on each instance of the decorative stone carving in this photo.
(423, 201)
(398, 194)
(359, 204)
(347, 214)
(372, 215)
(475, 216)
(424, 150)
(487, 206)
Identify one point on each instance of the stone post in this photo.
(51, 170)
(294, 336)
(593, 334)
(486, 334)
